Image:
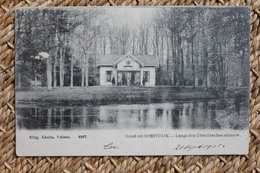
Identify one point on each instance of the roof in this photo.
(110, 60)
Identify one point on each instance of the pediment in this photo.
(128, 60)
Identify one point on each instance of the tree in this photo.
(48, 69)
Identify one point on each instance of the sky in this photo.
(134, 15)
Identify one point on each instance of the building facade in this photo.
(127, 70)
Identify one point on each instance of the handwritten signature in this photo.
(110, 146)
(202, 146)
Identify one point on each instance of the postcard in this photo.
(112, 81)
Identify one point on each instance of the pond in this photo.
(211, 114)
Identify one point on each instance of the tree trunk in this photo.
(63, 72)
(205, 68)
(82, 77)
(168, 61)
(192, 63)
(55, 61)
(133, 46)
(71, 71)
(86, 69)
(146, 42)
(222, 69)
(182, 67)
(49, 75)
(194, 82)
(82, 71)
(162, 50)
(178, 58)
(54, 71)
(61, 68)
(35, 77)
(174, 39)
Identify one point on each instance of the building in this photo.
(127, 70)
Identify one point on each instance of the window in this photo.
(109, 76)
(146, 76)
(128, 64)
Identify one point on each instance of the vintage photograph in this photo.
(101, 68)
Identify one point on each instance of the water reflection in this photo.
(178, 115)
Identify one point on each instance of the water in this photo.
(211, 114)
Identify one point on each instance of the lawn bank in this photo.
(116, 94)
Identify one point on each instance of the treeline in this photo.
(203, 46)
(54, 46)
(194, 46)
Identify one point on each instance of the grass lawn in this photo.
(114, 94)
